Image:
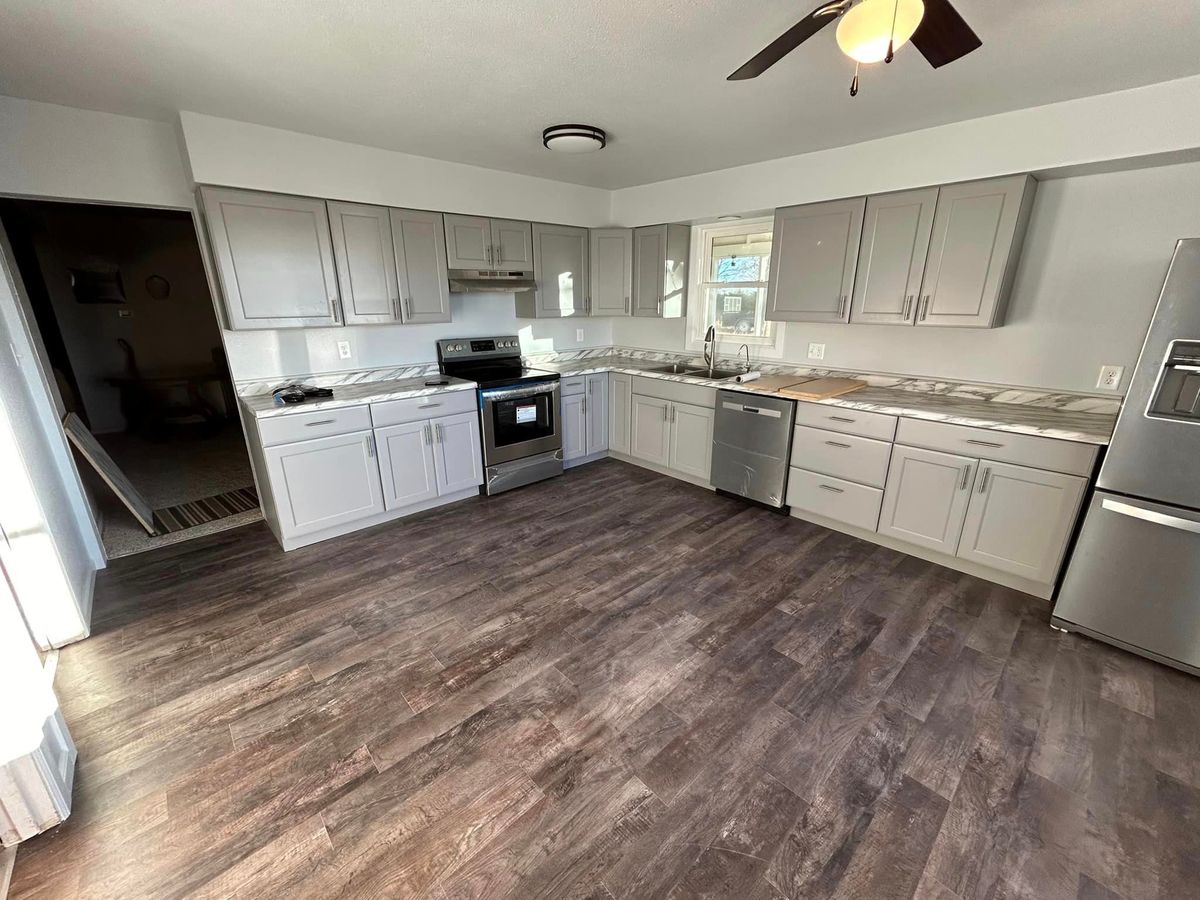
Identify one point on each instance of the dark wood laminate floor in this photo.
(612, 684)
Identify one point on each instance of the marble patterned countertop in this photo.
(263, 406)
(1018, 418)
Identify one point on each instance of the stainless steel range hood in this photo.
(483, 281)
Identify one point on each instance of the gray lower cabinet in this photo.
(691, 440)
(366, 265)
(1020, 519)
(620, 408)
(596, 413)
(560, 268)
(650, 429)
(585, 416)
(814, 255)
(977, 234)
(325, 482)
(429, 458)
(610, 276)
(574, 427)
(274, 257)
(926, 497)
(660, 259)
(419, 248)
(891, 257)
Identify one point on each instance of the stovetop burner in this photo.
(489, 362)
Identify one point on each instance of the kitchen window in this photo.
(734, 262)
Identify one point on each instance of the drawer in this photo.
(1023, 449)
(573, 385)
(675, 391)
(834, 498)
(842, 455)
(848, 421)
(414, 409)
(303, 426)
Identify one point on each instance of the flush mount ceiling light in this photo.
(574, 138)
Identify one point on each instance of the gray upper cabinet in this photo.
(366, 266)
(891, 258)
(813, 259)
(274, 256)
(468, 242)
(977, 234)
(419, 245)
(660, 256)
(476, 242)
(610, 253)
(560, 268)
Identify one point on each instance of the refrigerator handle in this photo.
(1149, 515)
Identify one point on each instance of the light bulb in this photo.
(866, 30)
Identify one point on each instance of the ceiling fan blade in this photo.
(943, 36)
(789, 40)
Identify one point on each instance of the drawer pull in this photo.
(840, 419)
(319, 422)
(830, 487)
(428, 405)
(838, 444)
(983, 443)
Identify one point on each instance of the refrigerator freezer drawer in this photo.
(1134, 578)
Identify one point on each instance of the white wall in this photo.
(1092, 267)
(1148, 121)
(76, 154)
(238, 154)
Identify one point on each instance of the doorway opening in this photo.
(130, 337)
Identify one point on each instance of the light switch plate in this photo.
(1110, 377)
(579, 335)
(816, 351)
(343, 349)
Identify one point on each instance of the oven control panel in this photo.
(478, 348)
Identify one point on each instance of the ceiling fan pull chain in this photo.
(854, 82)
(891, 54)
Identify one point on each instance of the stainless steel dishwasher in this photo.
(752, 440)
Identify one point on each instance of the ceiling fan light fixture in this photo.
(574, 138)
(867, 30)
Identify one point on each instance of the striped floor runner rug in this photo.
(197, 512)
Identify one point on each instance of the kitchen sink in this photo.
(675, 369)
(715, 374)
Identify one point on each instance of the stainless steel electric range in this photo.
(518, 409)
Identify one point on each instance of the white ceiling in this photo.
(475, 81)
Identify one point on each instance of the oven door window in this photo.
(522, 419)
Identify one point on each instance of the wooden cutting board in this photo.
(823, 388)
(772, 383)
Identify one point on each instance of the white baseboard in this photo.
(390, 515)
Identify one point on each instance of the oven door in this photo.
(519, 421)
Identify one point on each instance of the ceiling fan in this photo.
(871, 31)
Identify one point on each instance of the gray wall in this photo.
(1093, 263)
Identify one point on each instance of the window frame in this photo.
(766, 347)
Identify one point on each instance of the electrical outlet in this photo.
(343, 349)
(579, 335)
(1110, 377)
(816, 351)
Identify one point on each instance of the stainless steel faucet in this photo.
(747, 349)
(710, 348)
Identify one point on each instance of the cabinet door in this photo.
(691, 439)
(419, 243)
(649, 260)
(977, 233)
(366, 265)
(926, 497)
(406, 463)
(610, 254)
(325, 482)
(650, 429)
(574, 426)
(457, 452)
(274, 257)
(678, 244)
(512, 245)
(468, 242)
(813, 257)
(596, 412)
(1020, 519)
(620, 395)
(891, 260)
(560, 266)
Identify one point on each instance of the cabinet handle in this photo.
(437, 431)
(841, 305)
(983, 482)
(966, 476)
(371, 445)
(982, 443)
(838, 444)
(830, 487)
(336, 308)
(840, 419)
(408, 306)
(626, 306)
(396, 307)
(489, 255)
(907, 307)
(924, 307)
(583, 404)
(428, 432)
(319, 422)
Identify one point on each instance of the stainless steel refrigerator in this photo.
(1134, 577)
